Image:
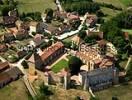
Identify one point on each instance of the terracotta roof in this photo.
(13, 30)
(4, 78)
(4, 65)
(50, 50)
(94, 56)
(106, 63)
(3, 47)
(33, 23)
(72, 16)
(99, 34)
(126, 35)
(102, 42)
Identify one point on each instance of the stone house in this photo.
(47, 57)
(9, 21)
(99, 79)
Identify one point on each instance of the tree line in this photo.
(113, 32)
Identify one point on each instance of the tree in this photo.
(129, 71)
(99, 13)
(82, 34)
(67, 44)
(6, 9)
(25, 64)
(49, 15)
(74, 65)
(5, 2)
(115, 98)
(12, 58)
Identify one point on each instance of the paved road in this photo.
(65, 35)
(2, 59)
(59, 5)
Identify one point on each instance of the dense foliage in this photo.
(129, 71)
(112, 32)
(81, 7)
(49, 15)
(31, 16)
(74, 65)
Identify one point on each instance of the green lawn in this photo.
(123, 92)
(60, 65)
(14, 91)
(128, 30)
(68, 39)
(35, 5)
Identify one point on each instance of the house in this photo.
(76, 40)
(38, 39)
(52, 29)
(14, 73)
(73, 16)
(4, 79)
(8, 37)
(21, 34)
(126, 34)
(93, 58)
(21, 54)
(9, 21)
(99, 79)
(13, 13)
(33, 26)
(91, 20)
(10, 75)
(99, 35)
(18, 34)
(51, 53)
(3, 47)
(40, 28)
(58, 31)
(48, 56)
(60, 15)
(4, 66)
(22, 25)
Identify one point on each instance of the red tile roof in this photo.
(51, 50)
(4, 65)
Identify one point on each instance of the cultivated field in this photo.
(35, 5)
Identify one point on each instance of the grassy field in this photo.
(109, 12)
(70, 94)
(122, 92)
(35, 5)
(14, 91)
(69, 39)
(126, 2)
(116, 3)
(60, 65)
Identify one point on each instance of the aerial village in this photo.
(36, 51)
